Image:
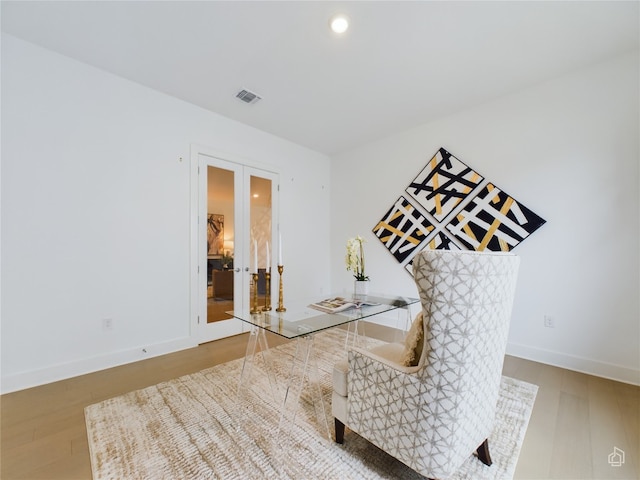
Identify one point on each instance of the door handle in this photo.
(246, 269)
(237, 269)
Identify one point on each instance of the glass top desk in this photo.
(301, 319)
(300, 322)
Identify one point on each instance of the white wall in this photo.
(568, 150)
(96, 214)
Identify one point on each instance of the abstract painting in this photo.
(439, 241)
(443, 184)
(402, 229)
(452, 207)
(494, 221)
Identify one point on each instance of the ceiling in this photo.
(401, 64)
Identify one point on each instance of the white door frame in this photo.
(198, 278)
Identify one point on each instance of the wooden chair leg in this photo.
(483, 453)
(339, 431)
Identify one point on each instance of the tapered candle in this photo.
(268, 259)
(255, 256)
(279, 249)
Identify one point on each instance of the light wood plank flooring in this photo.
(576, 422)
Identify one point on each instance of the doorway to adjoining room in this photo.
(237, 207)
(221, 237)
(220, 243)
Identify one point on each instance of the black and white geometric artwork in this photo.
(402, 229)
(451, 207)
(494, 221)
(439, 241)
(443, 184)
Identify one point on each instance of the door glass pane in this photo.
(220, 243)
(260, 226)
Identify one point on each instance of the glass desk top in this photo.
(300, 319)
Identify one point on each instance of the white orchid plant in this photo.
(355, 258)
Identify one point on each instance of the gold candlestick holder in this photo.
(267, 298)
(280, 292)
(255, 308)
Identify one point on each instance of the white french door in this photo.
(236, 212)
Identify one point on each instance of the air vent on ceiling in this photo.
(247, 96)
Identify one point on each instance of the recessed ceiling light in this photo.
(339, 23)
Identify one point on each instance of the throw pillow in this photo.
(414, 343)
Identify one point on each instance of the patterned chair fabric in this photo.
(434, 416)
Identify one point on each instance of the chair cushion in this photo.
(414, 343)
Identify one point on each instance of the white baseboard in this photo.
(33, 378)
(611, 371)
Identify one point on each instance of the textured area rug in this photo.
(195, 427)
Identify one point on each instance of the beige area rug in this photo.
(194, 427)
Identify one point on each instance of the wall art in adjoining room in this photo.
(443, 184)
(215, 234)
(402, 229)
(494, 221)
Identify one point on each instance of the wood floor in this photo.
(216, 309)
(576, 423)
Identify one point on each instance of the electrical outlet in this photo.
(107, 324)
(549, 321)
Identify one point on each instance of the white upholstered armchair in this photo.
(431, 402)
